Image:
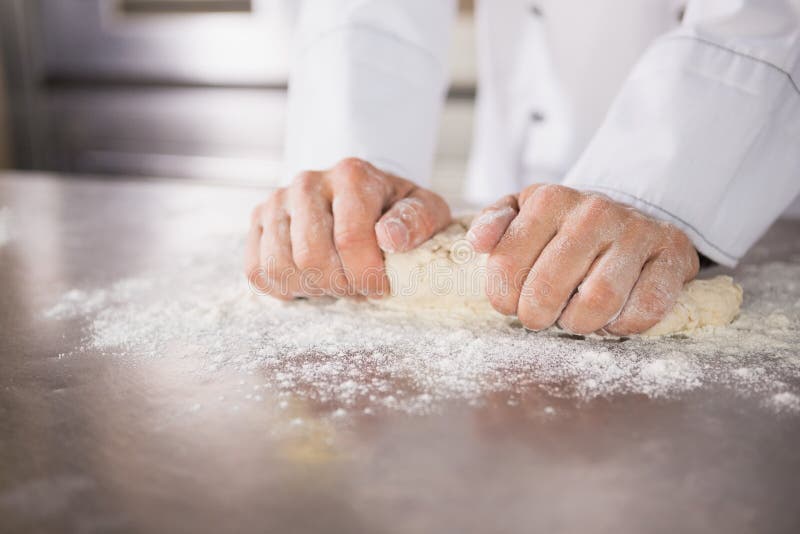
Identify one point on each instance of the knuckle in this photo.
(351, 172)
(507, 200)
(522, 229)
(636, 225)
(594, 209)
(306, 181)
(653, 303)
(549, 199)
(676, 238)
(523, 197)
(679, 251)
(601, 297)
(350, 166)
(356, 180)
(305, 258)
(565, 242)
(350, 239)
(549, 194)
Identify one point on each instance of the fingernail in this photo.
(395, 235)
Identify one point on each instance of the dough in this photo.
(445, 273)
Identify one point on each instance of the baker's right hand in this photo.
(323, 235)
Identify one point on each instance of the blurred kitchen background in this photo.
(192, 89)
(189, 89)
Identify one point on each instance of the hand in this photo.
(323, 235)
(581, 259)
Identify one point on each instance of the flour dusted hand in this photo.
(549, 240)
(325, 233)
(446, 274)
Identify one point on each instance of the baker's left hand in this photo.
(581, 260)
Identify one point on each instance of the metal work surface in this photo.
(92, 442)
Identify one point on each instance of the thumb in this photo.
(489, 226)
(412, 220)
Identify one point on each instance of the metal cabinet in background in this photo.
(185, 88)
(202, 42)
(179, 88)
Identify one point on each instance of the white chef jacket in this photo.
(690, 113)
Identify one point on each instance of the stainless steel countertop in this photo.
(97, 444)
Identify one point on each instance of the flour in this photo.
(361, 358)
(785, 401)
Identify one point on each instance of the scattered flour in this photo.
(360, 358)
(785, 401)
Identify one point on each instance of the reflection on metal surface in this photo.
(228, 135)
(4, 122)
(185, 6)
(197, 92)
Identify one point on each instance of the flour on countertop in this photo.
(362, 358)
(785, 401)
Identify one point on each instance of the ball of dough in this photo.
(447, 275)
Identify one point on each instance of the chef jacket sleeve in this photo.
(705, 132)
(368, 80)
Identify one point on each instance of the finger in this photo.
(565, 261)
(412, 220)
(311, 234)
(491, 223)
(653, 295)
(278, 275)
(252, 243)
(525, 238)
(604, 291)
(354, 216)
